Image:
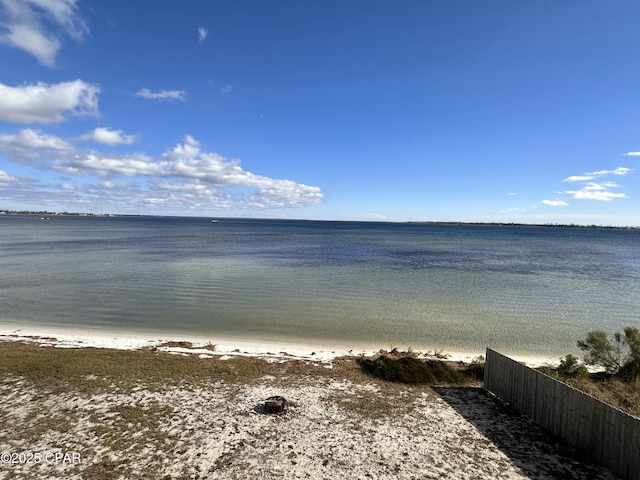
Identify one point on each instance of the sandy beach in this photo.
(65, 337)
(340, 423)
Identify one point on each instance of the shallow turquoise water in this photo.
(526, 290)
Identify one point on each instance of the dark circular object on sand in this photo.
(276, 405)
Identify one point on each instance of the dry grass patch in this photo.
(92, 370)
(377, 402)
(624, 395)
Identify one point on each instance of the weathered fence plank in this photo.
(611, 437)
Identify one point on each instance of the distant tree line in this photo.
(45, 212)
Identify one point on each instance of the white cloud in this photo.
(163, 94)
(85, 162)
(28, 139)
(579, 178)
(6, 179)
(596, 191)
(555, 203)
(189, 140)
(226, 89)
(202, 34)
(106, 136)
(183, 175)
(44, 103)
(30, 146)
(34, 42)
(193, 194)
(599, 191)
(617, 171)
(188, 161)
(34, 25)
(593, 175)
(48, 151)
(632, 154)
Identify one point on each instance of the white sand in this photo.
(64, 337)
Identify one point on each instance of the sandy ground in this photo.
(333, 430)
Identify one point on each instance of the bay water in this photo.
(526, 290)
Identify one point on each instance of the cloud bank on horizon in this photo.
(184, 176)
(122, 131)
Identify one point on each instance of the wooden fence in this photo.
(609, 436)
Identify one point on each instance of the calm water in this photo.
(527, 290)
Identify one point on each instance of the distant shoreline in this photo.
(409, 222)
(516, 224)
(57, 214)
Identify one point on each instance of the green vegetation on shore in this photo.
(618, 383)
(619, 355)
(406, 367)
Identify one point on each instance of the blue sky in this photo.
(507, 111)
